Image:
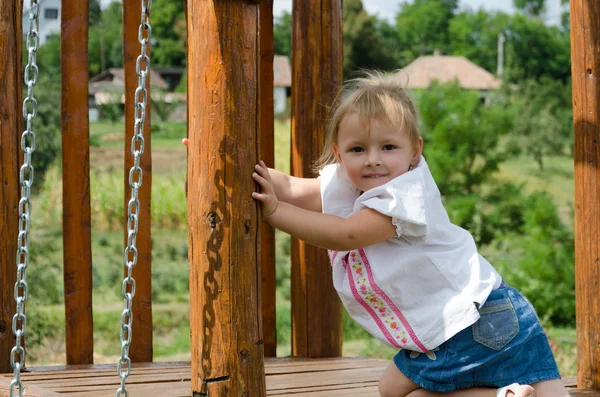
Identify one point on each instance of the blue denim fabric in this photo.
(506, 345)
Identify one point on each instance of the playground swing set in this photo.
(231, 254)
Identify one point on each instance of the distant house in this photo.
(109, 87)
(282, 82)
(423, 71)
(49, 18)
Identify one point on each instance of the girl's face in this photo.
(374, 152)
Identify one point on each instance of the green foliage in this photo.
(46, 124)
(538, 259)
(363, 44)
(423, 27)
(169, 33)
(282, 34)
(531, 7)
(105, 41)
(111, 111)
(534, 50)
(474, 35)
(543, 118)
(461, 137)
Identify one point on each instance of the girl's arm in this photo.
(300, 192)
(364, 228)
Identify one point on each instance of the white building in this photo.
(49, 17)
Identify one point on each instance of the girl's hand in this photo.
(185, 141)
(267, 196)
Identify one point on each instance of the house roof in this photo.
(116, 77)
(282, 71)
(424, 70)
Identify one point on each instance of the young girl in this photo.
(404, 272)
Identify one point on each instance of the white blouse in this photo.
(416, 290)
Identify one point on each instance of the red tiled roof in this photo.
(424, 70)
(282, 71)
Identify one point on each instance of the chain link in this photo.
(19, 320)
(130, 255)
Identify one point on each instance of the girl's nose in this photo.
(373, 158)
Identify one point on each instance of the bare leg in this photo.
(394, 383)
(551, 388)
(474, 392)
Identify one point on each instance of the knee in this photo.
(388, 388)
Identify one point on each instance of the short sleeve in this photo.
(404, 199)
(337, 192)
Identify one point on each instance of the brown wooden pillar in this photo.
(77, 236)
(11, 126)
(267, 153)
(316, 79)
(223, 219)
(585, 55)
(141, 345)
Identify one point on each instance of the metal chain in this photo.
(135, 182)
(19, 320)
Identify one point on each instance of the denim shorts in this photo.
(506, 345)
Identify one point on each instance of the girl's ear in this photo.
(336, 152)
(417, 154)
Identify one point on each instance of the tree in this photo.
(530, 7)
(168, 33)
(105, 40)
(535, 50)
(95, 13)
(363, 45)
(543, 118)
(423, 27)
(282, 34)
(474, 35)
(461, 137)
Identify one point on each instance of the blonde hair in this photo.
(376, 96)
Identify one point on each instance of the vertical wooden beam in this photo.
(77, 235)
(267, 153)
(141, 346)
(316, 79)
(585, 55)
(11, 126)
(223, 89)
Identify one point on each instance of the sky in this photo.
(389, 8)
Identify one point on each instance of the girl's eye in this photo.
(356, 149)
(389, 147)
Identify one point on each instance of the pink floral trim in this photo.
(366, 306)
(385, 313)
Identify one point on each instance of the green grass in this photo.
(556, 179)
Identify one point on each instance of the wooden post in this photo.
(223, 89)
(267, 153)
(77, 235)
(585, 55)
(317, 75)
(11, 126)
(141, 345)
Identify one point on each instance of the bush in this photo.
(538, 259)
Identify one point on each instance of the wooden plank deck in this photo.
(285, 376)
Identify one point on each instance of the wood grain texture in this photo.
(585, 55)
(299, 377)
(316, 79)
(77, 234)
(267, 153)
(223, 219)
(11, 126)
(141, 346)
